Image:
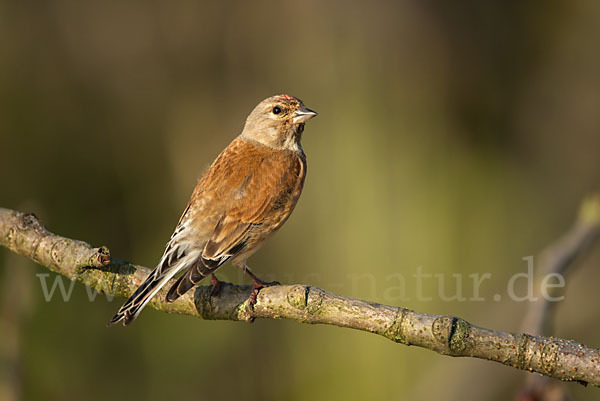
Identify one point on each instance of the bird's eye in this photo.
(276, 110)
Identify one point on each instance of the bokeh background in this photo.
(455, 137)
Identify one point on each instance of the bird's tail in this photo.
(172, 262)
(134, 305)
(189, 279)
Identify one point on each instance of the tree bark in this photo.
(558, 358)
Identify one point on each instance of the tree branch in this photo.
(558, 258)
(448, 335)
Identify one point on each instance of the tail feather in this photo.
(134, 305)
(168, 267)
(189, 279)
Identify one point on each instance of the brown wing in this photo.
(248, 192)
(259, 201)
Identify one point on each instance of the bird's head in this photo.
(278, 122)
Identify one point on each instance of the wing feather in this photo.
(248, 192)
(256, 200)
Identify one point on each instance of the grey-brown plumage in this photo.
(247, 194)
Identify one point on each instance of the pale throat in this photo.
(292, 140)
(275, 137)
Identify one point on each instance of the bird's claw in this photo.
(216, 285)
(257, 285)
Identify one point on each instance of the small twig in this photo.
(448, 335)
(558, 258)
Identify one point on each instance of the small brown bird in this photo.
(247, 194)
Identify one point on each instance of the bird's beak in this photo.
(303, 114)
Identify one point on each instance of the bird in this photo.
(247, 194)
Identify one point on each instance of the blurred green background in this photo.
(458, 137)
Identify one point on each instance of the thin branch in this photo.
(448, 335)
(558, 258)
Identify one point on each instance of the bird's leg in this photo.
(257, 284)
(216, 285)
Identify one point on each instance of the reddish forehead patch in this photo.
(287, 97)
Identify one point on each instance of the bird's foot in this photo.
(257, 285)
(216, 285)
